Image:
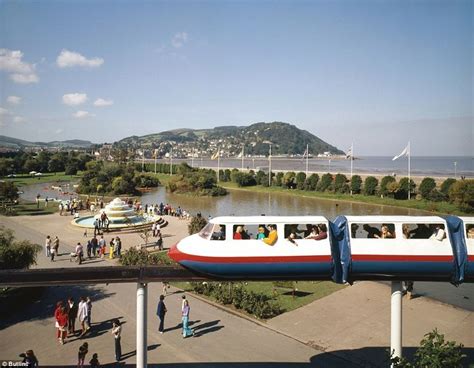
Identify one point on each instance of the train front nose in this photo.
(174, 253)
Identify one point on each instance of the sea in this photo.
(442, 166)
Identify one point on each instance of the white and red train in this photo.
(355, 248)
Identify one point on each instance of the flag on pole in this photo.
(349, 153)
(241, 153)
(215, 155)
(306, 153)
(156, 151)
(404, 153)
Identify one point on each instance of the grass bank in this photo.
(60, 177)
(423, 205)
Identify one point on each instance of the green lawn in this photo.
(31, 208)
(307, 292)
(25, 179)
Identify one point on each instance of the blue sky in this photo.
(376, 73)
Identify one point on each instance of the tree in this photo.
(356, 184)
(55, 164)
(445, 185)
(403, 190)
(16, 254)
(260, 177)
(312, 182)
(31, 165)
(426, 188)
(461, 194)
(8, 191)
(300, 180)
(289, 180)
(196, 224)
(370, 185)
(325, 183)
(279, 179)
(71, 167)
(340, 184)
(386, 180)
(434, 352)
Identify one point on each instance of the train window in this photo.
(218, 232)
(306, 231)
(470, 231)
(242, 232)
(206, 231)
(373, 231)
(424, 231)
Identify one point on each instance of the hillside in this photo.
(286, 139)
(16, 143)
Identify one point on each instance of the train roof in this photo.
(469, 220)
(408, 219)
(269, 220)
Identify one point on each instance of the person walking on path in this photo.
(117, 331)
(102, 244)
(72, 315)
(160, 312)
(62, 321)
(81, 355)
(185, 318)
(82, 314)
(89, 311)
(111, 250)
(57, 311)
(118, 246)
(79, 252)
(47, 246)
(54, 248)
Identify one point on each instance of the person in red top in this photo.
(323, 232)
(238, 233)
(57, 311)
(62, 321)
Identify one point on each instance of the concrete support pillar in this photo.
(396, 319)
(142, 290)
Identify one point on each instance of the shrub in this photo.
(445, 185)
(279, 179)
(312, 182)
(403, 188)
(289, 180)
(356, 184)
(196, 224)
(261, 177)
(340, 184)
(461, 194)
(434, 351)
(141, 257)
(384, 183)
(8, 191)
(146, 180)
(243, 179)
(427, 185)
(16, 254)
(300, 180)
(370, 185)
(325, 183)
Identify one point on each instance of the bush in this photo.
(356, 184)
(311, 182)
(300, 180)
(461, 194)
(289, 180)
(427, 186)
(370, 185)
(384, 183)
(446, 185)
(16, 254)
(433, 352)
(340, 184)
(146, 181)
(8, 191)
(279, 179)
(141, 257)
(196, 224)
(325, 183)
(403, 188)
(243, 179)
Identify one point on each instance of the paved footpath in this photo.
(350, 328)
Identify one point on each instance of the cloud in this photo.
(4, 111)
(81, 114)
(179, 39)
(100, 102)
(74, 99)
(19, 119)
(20, 71)
(14, 100)
(69, 59)
(58, 131)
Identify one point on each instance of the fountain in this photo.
(120, 216)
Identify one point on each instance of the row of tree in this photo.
(44, 161)
(459, 192)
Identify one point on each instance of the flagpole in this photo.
(307, 158)
(409, 163)
(171, 162)
(352, 159)
(218, 163)
(270, 167)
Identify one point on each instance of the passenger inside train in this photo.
(437, 232)
(470, 231)
(219, 234)
(272, 236)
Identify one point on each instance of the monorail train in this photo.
(346, 249)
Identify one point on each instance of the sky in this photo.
(373, 73)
